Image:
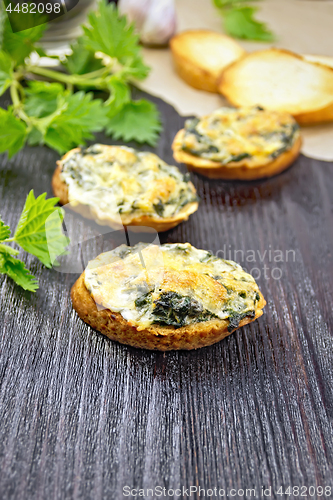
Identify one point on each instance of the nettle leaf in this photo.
(7, 249)
(110, 33)
(240, 23)
(42, 98)
(82, 116)
(136, 69)
(137, 120)
(39, 232)
(3, 17)
(120, 94)
(15, 269)
(20, 44)
(4, 231)
(82, 60)
(221, 4)
(33, 233)
(41, 52)
(56, 240)
(12, 133)
(61, 141)
(35, 137)
(6, 71)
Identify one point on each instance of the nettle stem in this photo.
(17, 102)
(87, 80)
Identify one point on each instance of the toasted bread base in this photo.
(271, 78)
(60, 190)
(156, 338)
(241, 170)
(199, 70)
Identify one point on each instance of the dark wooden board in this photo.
(81, 417)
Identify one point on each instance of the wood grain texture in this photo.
(82, 416)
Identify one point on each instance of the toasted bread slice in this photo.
(281, 80)
(109, 286)
(200, 56)
(60, 189)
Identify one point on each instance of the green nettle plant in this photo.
(63, 112)
(39, 232)
(239, 21)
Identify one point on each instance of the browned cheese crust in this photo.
(60, 190)
(155, 337)
(241, 170)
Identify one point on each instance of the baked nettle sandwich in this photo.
(119, 186)
(245, 143)
(166, 297)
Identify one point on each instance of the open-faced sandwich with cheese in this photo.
(281, 80)
(245, 143)
(118, 186)
(200, 55)
(166, 297)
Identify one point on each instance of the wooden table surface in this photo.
(81, 417)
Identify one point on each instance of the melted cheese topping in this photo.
(231, 135)
(171, 284)
(119, 180)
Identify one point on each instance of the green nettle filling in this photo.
(287, 139)
(235, 319)
(209, 138)
(236, 311)
(174, 309)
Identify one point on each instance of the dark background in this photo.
(82, 416)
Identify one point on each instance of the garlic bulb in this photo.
(155, 20)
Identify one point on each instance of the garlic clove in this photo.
(160, 23)
(135, 10)
(155, 20)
